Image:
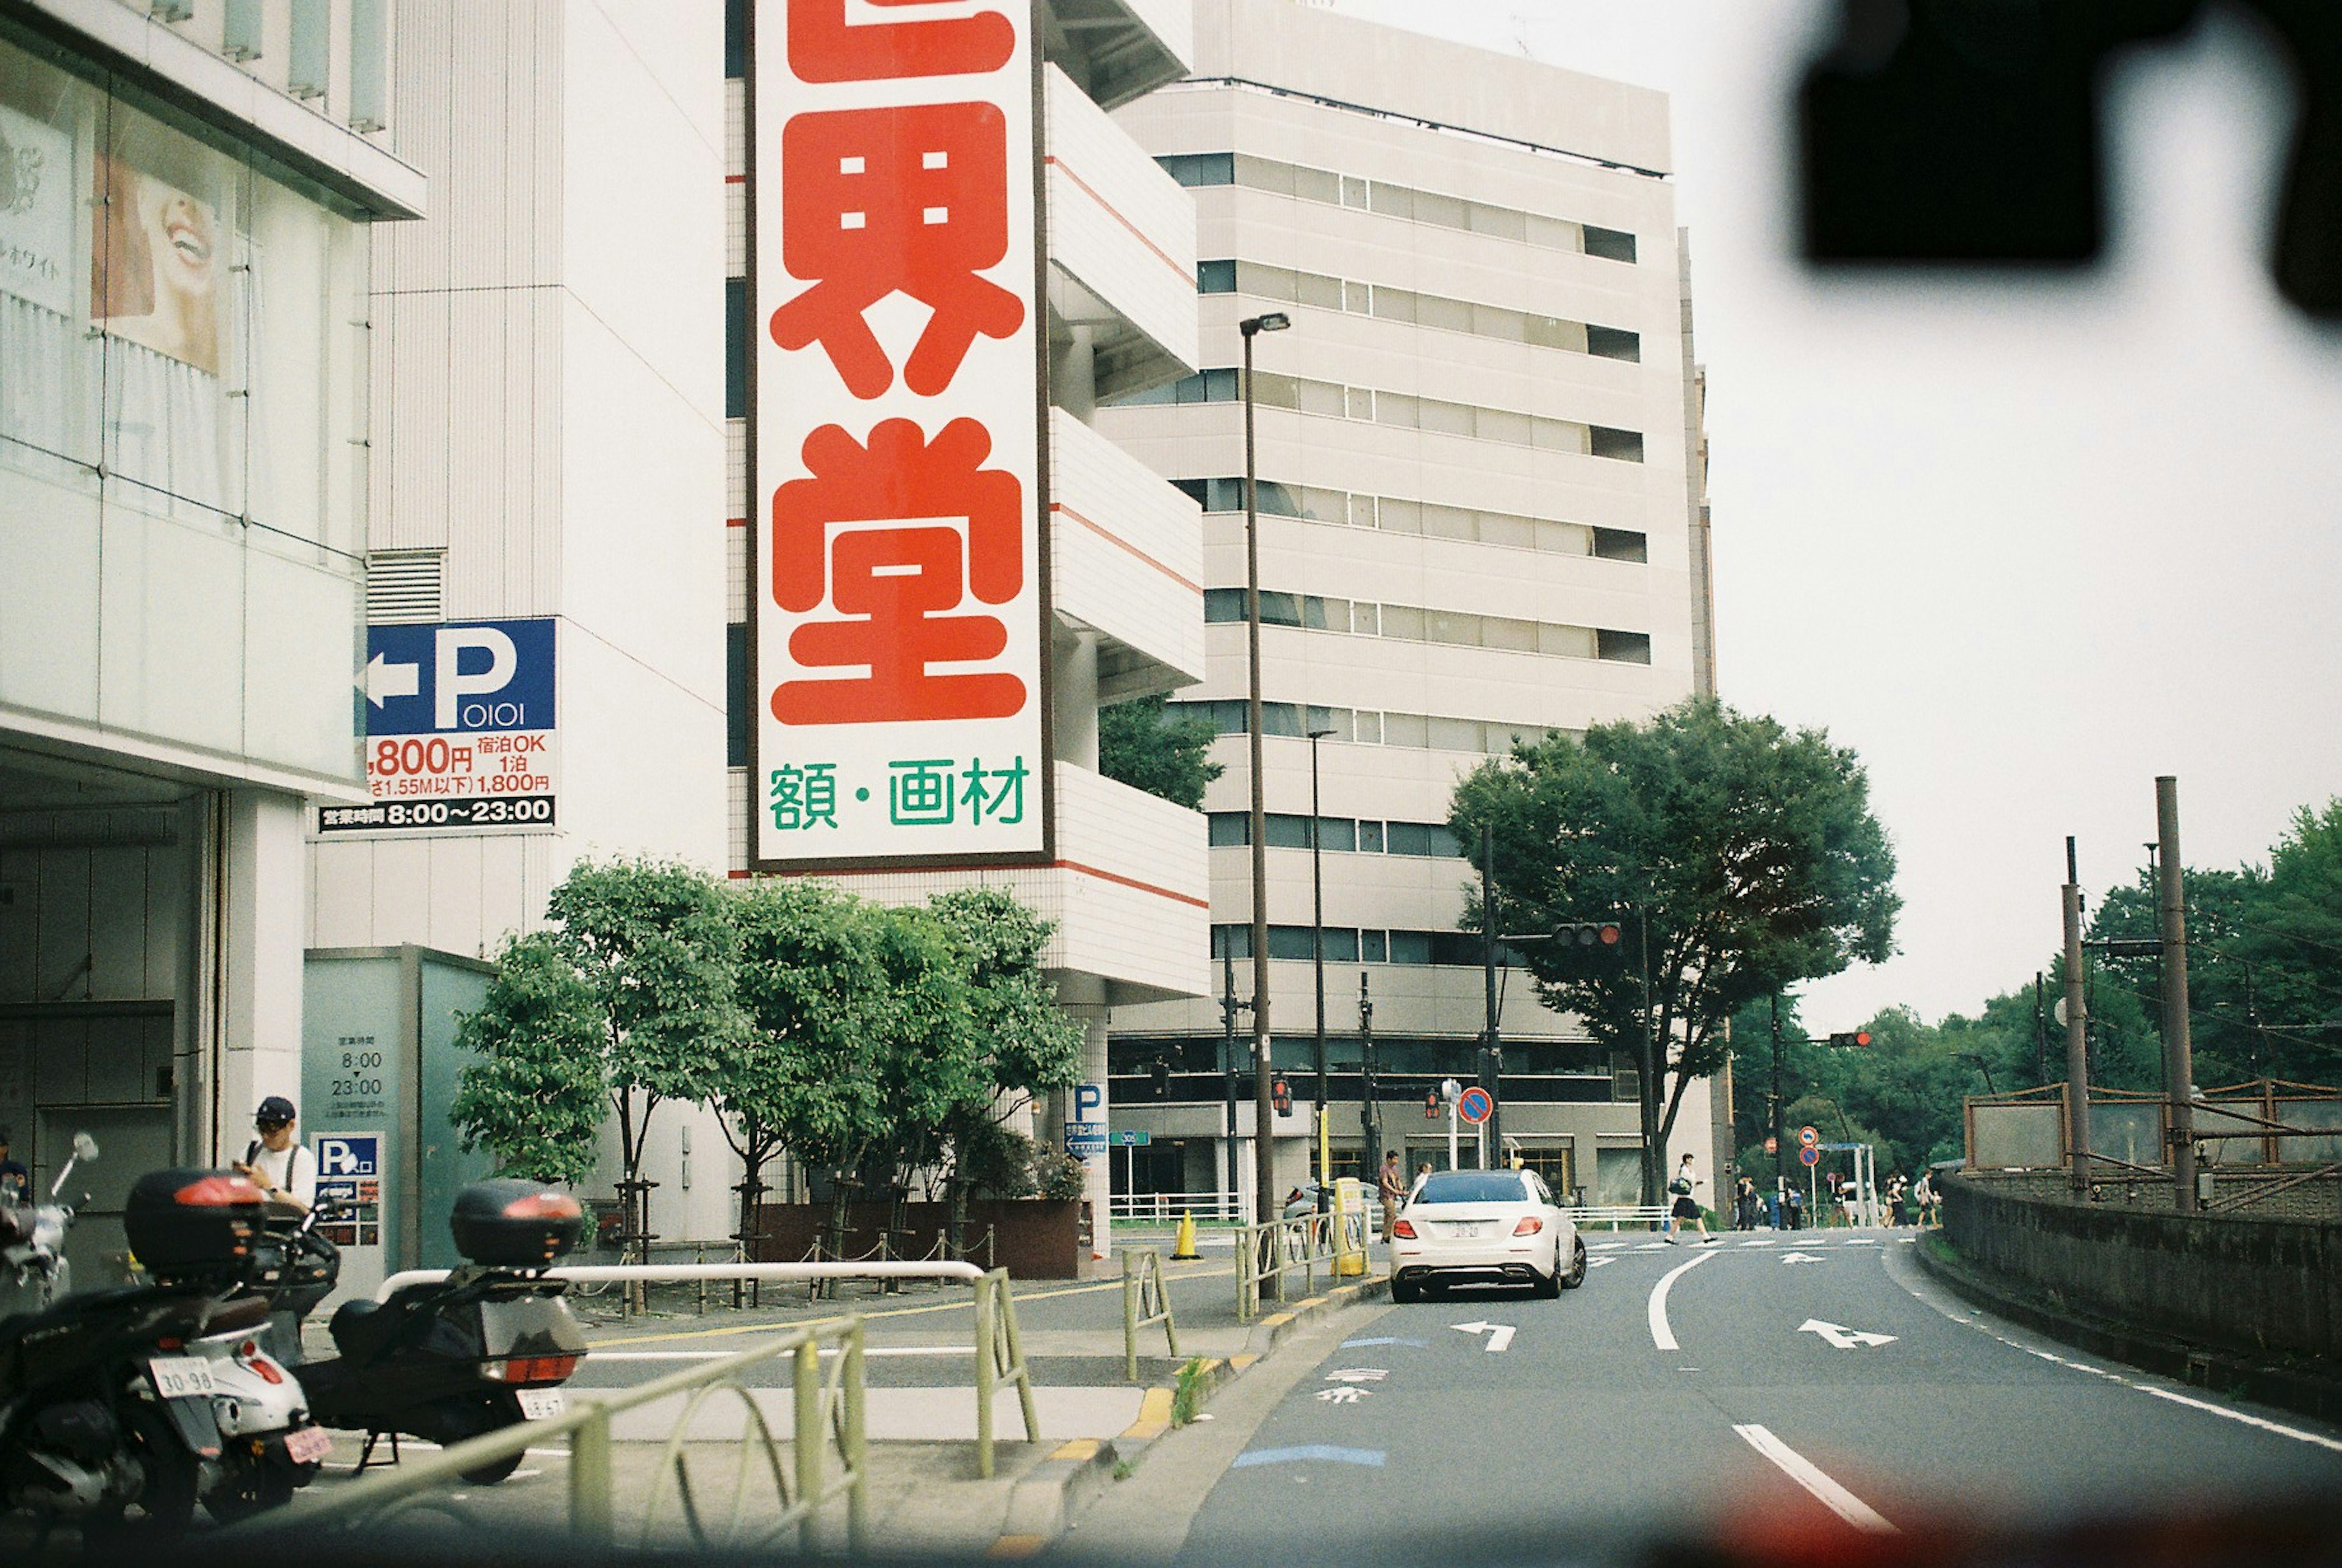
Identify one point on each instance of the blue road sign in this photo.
(1086, 1139)
(1473, 1104)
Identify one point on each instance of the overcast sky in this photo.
(2024, 547)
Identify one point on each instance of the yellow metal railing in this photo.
(999, 1358)
(1145, 1302)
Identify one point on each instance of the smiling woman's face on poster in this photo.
(157, 266)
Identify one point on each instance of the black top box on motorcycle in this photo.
(193, 1222)
(513, 1224)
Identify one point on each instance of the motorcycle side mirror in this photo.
(85, 1147)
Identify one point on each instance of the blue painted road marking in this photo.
(1370, 1457)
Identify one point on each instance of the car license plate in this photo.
(1466, 1229)
(307, 1445)
(181, 1376)
(540, 1403)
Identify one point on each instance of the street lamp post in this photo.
(1264, 1205)
(1317, 965)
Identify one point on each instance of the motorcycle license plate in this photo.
(540, 1403)
(307, 1445)
(181, 1376)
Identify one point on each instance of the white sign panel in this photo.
(898, 612)
(36, 212)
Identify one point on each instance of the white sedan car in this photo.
(1483, 1227)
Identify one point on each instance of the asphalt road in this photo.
(1688, 1390)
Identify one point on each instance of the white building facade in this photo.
(186, 193)
(1482, 516)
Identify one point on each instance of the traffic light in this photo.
(1850, 1037)
(1280, 1094)
(1431, 1105)
(1595, 937)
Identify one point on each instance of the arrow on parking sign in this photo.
(386, 680)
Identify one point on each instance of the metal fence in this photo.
(1266, 1254)
(1169, 1208)
(828, 1459)
(2265, 1122)
(1145, 1302)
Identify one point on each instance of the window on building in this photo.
(739, 696)
(1215, 277)
(1626, 647)
(1611, 245)
(1194, 169)
(1613, 342)
(1373, 947)
(1623, 446)
(735, 38)
(1618, 544)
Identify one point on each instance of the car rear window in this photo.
(1471, 1187)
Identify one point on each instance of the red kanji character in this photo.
(893, 626)
(823, 47)
(912, 199)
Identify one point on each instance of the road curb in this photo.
(2285, 1387)
(1047, 1500)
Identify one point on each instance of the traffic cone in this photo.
(1183, 1248)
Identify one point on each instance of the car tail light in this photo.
(1530, 1225)
(530, 1369)
(1403, 1229)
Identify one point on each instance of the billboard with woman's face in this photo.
(154, 265)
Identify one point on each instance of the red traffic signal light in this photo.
(1851, 1037)
(1603, 935)
(1280, 1096)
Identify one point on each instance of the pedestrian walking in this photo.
(1685, 1207)
(1393, 1185)
(1796, 1203)
(1923, 1191)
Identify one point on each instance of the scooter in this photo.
(486, 1348)
(106, 1421)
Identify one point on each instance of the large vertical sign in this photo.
(898, 620)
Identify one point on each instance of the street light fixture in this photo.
(1264, 1107)
(1317, 965)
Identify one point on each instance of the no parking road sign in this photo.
(1810, 1156)
(1474, 1105)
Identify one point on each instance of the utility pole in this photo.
(1228, 1006)
(1319, 1113)
(1264, 1109)
(1369, 1133)
(2077, 1048)
(2040, 1033)
(1492, 1050)
(2178, 1051)
(1780, 1109)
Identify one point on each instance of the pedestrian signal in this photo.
(1431, 1105)
(1280, 1094)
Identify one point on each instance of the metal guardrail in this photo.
(1266, 1254)
(828, 1417)
(999, 1348)
(1167, 1208)
(1616, 1215)
(1145, 1302)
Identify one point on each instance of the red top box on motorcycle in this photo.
(515, 1225)
(190, 1221)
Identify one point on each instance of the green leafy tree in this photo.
(535, 1096)
(1741, 855)
(1023, 1043)
(810, 990)
(1142, 744)
(655, 946)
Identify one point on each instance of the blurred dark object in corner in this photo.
(1966, 131)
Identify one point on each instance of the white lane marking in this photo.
(1799, 1258)
(1655, 1246)
(1359, 1374)
(1662, 1337)
(2317, 1440)
(1501, 1334)
(871, 1353)
(1599, 1263)
(1810, 1476)
(1606, 1246)
(1763, 1242)
(1843, 1337)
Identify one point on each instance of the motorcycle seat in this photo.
(239, 1316)
(363, 1330)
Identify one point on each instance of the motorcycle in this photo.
(112, 1400)
(486, 1348)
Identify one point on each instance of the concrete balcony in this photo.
(1127, 561)
(1131, 890)
(1118, 50)
(1122, 247)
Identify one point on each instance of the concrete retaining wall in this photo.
(2256, 1287)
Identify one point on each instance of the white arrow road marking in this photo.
(386, 680)
(1845, 1338)
(1662, 1335)
(1341, 1395)
(1809, 1475)
(1501, 1334)
(1358, 1374)
(1799, 1258)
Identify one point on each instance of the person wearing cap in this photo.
(15, 1182)
(276, 1162)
